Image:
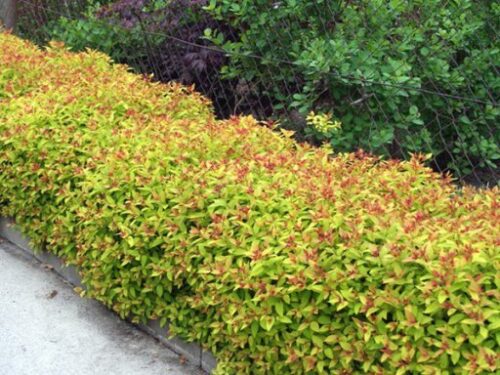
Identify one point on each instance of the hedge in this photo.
(278, 257)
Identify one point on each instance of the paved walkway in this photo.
(47, 329)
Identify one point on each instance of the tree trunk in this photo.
(8, 13)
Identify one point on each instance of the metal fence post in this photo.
(8, 13)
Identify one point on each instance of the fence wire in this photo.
(402, 76)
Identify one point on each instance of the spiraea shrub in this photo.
(277, 257)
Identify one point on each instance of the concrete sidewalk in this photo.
(47, 329)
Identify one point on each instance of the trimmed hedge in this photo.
(276, 256)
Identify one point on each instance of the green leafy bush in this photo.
(125, 46)
(36, 18)
(374, 64)
(81, 28)
(277, 257)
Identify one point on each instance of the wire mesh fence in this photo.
(400, 76)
